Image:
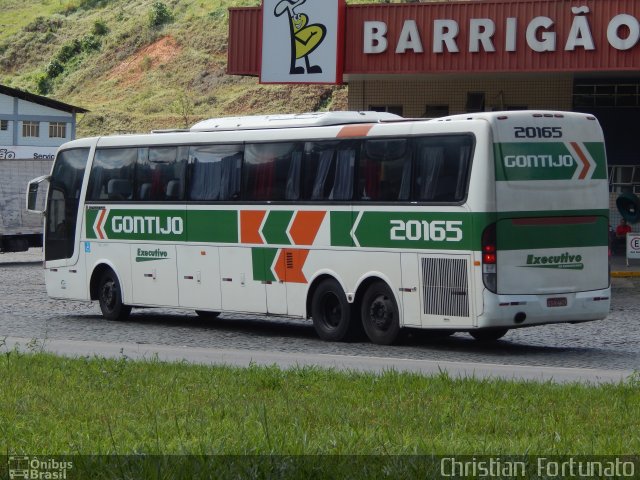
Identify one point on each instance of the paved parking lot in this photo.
(25, 311)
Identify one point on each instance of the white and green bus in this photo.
(476, 223)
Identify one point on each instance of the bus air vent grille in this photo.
(445, 286)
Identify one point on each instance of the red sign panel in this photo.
(491, 36)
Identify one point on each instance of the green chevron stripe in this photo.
(274, 230)
(262, 259)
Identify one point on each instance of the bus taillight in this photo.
(489, 258)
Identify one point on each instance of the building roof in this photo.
(40, 100)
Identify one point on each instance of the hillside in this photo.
(139, 65)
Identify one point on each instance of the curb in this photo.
(625, 274)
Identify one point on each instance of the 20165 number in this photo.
(435, 231)
(538, 132)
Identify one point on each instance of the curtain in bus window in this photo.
(230, 182)
(160, 173)
(343, 184)
(267, 170)
(263, 176)
(405, 183)
(324, 166)
(258, 172)
(446, 184)
(215, 172)
(372, 177)
(384, 165)
(292, 190)
(206, 178)
(463, 167)
(430, 161)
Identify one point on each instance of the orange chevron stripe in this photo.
(583, 159)
(288, 267)
(355, 131)
(250, 221)
(305, 226)
(99, 225)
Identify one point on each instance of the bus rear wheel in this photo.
(380, 314)
(489, 334)
(331, 312)
(110, 297)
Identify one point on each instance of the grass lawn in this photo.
(59, 405)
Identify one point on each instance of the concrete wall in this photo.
(33, 109)
(43, 140)
(548, 92)
(6, 105)
(29, 111)
(6, 136)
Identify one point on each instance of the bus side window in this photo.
(328, 172)
(272, 171)
(385, 170)
(111, 175)
(442, 168)
(215, 172)
(160, 173)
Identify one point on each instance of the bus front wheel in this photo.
(110, 297)
(331, 312)
(380, 317)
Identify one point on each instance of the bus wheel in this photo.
(207, 315)
(488, 334)
(110, 297)
(331, 312)
(380, 317)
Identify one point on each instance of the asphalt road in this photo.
(598, 351)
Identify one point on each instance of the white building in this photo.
(32, 127)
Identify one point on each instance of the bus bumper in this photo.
(513, 311)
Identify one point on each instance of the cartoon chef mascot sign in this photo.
(300, 41)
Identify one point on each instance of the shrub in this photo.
(43, 25)
(89, 43)
(54, 68)
(159, 15)
(43, 84)
(99, 28)
(69, 50)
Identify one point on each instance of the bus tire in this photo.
(488, 334)
(110, 297)
(207, 315)
(331, 312)
(380, 314)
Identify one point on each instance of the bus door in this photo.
(153, 274)
(240, 291)
(552, 204)
(198, 277)
(159, 186)
(64, 266)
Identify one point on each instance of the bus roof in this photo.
(312, 119)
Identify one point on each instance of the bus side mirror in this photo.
(32, 195)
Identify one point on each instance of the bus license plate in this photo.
(557, 302)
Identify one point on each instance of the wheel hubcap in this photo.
(108, 294)
(332, 311)
(381, 312)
